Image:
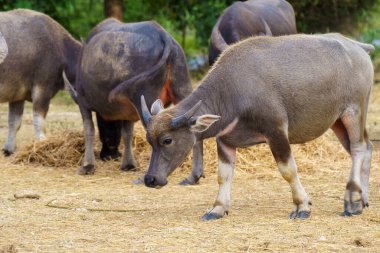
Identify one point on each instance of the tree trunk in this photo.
(114, 8)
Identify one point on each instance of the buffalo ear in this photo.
(202, 123)
(156, 107)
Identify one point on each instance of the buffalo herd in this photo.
(267, 84)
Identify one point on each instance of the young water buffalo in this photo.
(34, 51)
(291, 90)
(251, 18)
(119, 63)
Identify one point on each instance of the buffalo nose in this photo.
(149, 181)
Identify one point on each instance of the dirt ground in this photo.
(106, 212)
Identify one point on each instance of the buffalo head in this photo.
(171, 138)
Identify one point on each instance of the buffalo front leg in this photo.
(15, 112)
(88, 166)
(197, 170)
(281, 151)
(129, 162)
(226, 162)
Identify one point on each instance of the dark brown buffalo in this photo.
(34, 50)
(119, 63)
(251, 18)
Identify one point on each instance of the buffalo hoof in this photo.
(300, 215)
(186, 181)
(354, 208)
(128, 167)
(86, 170)
(346, 214)
(7, 152)
(211, 216)
(193, 180)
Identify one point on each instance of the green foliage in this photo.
(369, 27)
(191, 21)
(63, 98)
(328, 15)
(77, 16)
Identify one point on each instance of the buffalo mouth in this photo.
(154, 181)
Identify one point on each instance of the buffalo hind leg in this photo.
(15, 112)
(342, 134)
(88, 167)
(364, 173)
(197, 169)
(129, 162)
(110, 135)
(40, 109)
(356, 196)
(226, 161)
(41, 100)
(282, 153)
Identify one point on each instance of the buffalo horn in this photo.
(145, 111)
(184, 118)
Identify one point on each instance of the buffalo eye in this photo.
(167, 141)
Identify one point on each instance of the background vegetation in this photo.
(191, 21)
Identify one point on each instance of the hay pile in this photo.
(66, 149)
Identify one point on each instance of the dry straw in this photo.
(66, 149)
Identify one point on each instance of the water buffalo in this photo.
(119, 63)
(291, 90)
(39, 49)
(34, 51)
(251, 18)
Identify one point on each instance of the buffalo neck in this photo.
(217, 99)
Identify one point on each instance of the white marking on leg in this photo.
(14, 124)
(225, 175)
(364, 174)
(38, 121)
(358, 154)
(289, 173)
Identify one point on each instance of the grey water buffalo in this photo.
(34, 50)
(291, 90)
(251, 18)
(119, 63)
